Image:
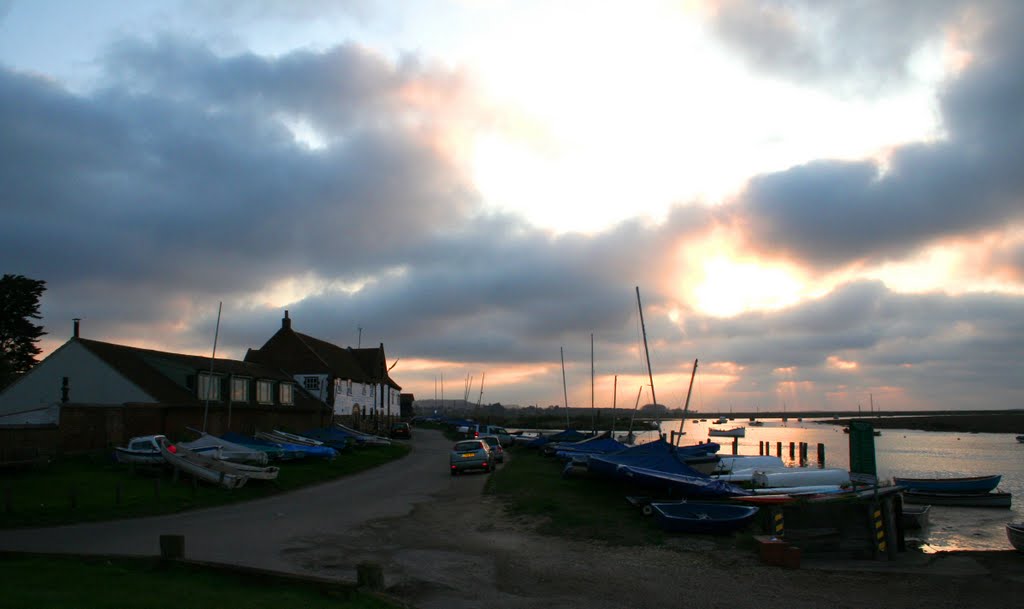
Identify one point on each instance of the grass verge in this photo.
(95, 487)
(579, 507)
(116, 583)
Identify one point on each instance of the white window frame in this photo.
(265, 392)
(239, 389)
(286, 394)
(311, 383)
(208, 386)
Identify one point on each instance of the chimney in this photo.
(286, 324)
(76, 320)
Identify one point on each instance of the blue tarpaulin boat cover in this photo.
(569, 435)
(658, 455)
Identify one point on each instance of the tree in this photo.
(19, 305)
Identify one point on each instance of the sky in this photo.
(821, 202)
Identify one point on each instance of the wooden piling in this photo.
(792, 450)
(735, 446)
(778, 449)
(821, 454)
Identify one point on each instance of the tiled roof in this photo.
(142, 367)
(300, 353)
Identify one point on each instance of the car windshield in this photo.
(491, 440)
(462, 446)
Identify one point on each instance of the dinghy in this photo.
(973, 484)
(697, 517)
(185, 460)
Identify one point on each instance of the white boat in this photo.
(144, 450)
(364, 438)
(735, 463)
(1015, 533)
(224, 450)
(735, 432)
(799, 476)
(187, 461)
(288, 438)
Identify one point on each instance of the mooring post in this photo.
(821, 454)
(778, 449)
(735, 446)
(760, 448)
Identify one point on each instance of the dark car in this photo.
(401, 430)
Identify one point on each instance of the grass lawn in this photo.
(579, 507)
(95, 487)
(102, 583)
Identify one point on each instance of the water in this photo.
(907, 453)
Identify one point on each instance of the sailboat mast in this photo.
(209, 383)
(593, 420)
(647, 353)
(686, 407)
(615, 399)
(565, 393)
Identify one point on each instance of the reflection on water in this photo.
(908, 453)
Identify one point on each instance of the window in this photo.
(239, 389)
(348, 389)
(285, 393)
(364, 389)
(265, 392)
(311, 383)
(209, 387)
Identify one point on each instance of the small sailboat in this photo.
(698, 517)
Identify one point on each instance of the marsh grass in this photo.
(117, 583)
(530, 484)
(95, 487)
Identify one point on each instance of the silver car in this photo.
(471, 454)
(495, 445)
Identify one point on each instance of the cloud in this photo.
(833, 213)
(854, 47)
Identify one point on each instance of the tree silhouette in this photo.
(19, 305)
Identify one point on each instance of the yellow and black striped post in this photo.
(778, 524)
(879, 529)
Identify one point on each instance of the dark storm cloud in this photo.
(856, 47)
(829, 213)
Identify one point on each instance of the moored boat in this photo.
(993, 499)
(915, 516)
(1015, 533)
(734, 432)
(799, 476)
(224, 449)
(972, 484)
(145, 450)
(181, 458)
(698, 517)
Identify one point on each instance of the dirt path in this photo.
(459, 550)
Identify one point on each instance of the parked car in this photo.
(495, 445)
(470, 454)
(400, 430)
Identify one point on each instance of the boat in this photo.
(994, 499)
(183, 460)
(695, 459)
(674, 484)
(720, 421)
(973, 484)
(915, 516)
(145, 450)
(699, 517)
(735, 432)
(225, 450)
(362, 438)
(731, 463)
(274, 452)
(756, 423)
(799, 476)
(598, 445)
(210, 462)
(1015, 533)
(1020, 439)
(307, 448)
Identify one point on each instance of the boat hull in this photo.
(993, 499)
(1015, 533)
(974, 484)
(178, 457)
(708, 518)
(735, 432)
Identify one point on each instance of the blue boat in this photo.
(974, 484)
(658, 455)
(569, 435)
(671, 484)
(713, 518)
(598, 445)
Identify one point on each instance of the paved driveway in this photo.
(263, 533)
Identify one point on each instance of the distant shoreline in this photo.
(966, 423)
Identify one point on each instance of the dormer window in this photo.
(209, 387)
(239, 389)
(311, 383)
(265, 392)
(286, 394)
